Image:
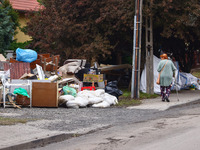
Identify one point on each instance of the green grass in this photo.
(146, 96)
(11, 121)
(125, 100)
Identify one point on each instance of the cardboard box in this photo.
(92, 77)
(44, 94)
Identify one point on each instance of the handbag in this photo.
(158, 79)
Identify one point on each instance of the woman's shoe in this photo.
(163, 99)
(167, 99)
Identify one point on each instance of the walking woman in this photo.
(166, 70)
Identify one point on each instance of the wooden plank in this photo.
(115, 67)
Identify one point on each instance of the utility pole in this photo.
(149, 52)
(135, 83)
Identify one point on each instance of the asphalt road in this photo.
(122, 129)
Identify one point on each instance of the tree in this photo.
(8, 24)
(176, 29)
(83, 28)
(100, 29)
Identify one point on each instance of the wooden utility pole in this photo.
(135, 84)
(149, 53)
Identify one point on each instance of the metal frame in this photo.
(7, 85)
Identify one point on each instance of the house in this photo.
(23, 6)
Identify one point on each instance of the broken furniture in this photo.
(49, 63)
(10, 86)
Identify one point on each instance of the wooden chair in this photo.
(50, 64)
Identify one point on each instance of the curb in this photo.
(40, 142)
(52, 139)
(185, 104)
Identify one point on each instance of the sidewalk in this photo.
(183, 97)
(21, 136)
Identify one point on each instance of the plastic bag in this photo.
(99, 92)
(21, 91)
(26, 55)
(69, 91)
(112, 89)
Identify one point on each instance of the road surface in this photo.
(170, 132)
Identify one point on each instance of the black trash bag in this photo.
(111, 88)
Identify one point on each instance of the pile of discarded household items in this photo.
(36, 80)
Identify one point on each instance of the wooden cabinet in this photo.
(44, 94)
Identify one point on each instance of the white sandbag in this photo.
(99, 92)
(86, 94)
(72, 104)
(65, 98)
(102, 104)
(112, 100)
(95, 100)
(82, 102)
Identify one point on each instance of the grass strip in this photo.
(12, 121)
(125, 100)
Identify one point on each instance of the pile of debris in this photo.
(36, 80)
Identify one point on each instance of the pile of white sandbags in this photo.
(85, 98)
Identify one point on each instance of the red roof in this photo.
(25, 5)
